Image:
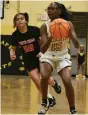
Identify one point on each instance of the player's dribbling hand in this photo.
(12, 54)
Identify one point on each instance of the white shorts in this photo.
(56, 61)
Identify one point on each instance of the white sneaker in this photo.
(43, 109)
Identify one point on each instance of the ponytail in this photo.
(26, 16)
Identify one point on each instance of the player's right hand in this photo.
(39, 54)
(13, 57)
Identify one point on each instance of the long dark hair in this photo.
(24, 14)
(64, 12)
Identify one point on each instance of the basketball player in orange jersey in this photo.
(58, 57)
(27, 37)
(81, 60)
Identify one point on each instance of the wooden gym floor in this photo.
(20, 96)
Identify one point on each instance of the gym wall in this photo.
(35, 9)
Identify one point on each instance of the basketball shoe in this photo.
(57, 87)
(52, 101)
(44, 108)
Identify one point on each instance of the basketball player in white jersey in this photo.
(56, 56)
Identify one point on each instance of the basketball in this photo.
(59, 28)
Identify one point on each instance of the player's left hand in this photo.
(83, 63)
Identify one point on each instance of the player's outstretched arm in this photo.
(73, 36)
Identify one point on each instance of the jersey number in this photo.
(56, 46)
(28, 48)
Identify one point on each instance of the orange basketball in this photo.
(59, 28)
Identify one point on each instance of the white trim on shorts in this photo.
(64, 63)
(59, 63)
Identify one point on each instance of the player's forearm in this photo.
(76, 43)
(45, 46)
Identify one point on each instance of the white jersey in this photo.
(57, 54)
(59, 46)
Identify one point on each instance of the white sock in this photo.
(49, 95)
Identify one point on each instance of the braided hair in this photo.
(64, 12)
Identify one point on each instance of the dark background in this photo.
(5, 59)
